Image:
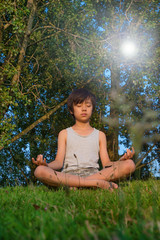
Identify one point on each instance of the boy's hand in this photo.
(128, 155)
(39, 160)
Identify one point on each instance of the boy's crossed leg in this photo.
(115, 171)
(53, 178)
(112, 172)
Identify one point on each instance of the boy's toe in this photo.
(113, 185)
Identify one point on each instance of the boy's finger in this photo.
(33, 160)
(133, 151)
(45, 162)
(130, 154)
(38, 161)
(40, 157)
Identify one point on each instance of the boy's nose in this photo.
(84, 107)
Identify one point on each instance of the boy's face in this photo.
(83, 111)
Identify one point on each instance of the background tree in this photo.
(132, 79)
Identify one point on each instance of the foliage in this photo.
(131, 212)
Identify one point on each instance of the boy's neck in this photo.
(84, 129)
(82, 126)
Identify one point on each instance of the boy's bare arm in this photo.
(103, 149)
(58, 162)
(104, 154)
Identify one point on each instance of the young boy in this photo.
(79, 148)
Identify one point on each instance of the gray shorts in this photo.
(83, 172)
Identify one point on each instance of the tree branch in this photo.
(143, 165)
(139, 162)
(47, 115)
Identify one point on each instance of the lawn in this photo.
(37, 212)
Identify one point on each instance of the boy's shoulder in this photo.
(63, 132)
(102, 135)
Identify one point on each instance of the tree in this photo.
(132, 79)
(53, 64)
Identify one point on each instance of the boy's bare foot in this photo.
(104, 185)
(107, 185)
(73, 188)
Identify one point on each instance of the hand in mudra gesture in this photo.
(39, 160)
(128, 155)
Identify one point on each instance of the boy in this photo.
(79, 148)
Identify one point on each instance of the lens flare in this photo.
(129, 49)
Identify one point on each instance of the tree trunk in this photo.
(114, 114)
(33, 6)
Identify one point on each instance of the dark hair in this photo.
(79, 96)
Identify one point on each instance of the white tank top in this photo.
(81, 151)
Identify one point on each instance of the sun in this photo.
(129, 49)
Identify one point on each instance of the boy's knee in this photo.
(39, 172)
(131, 166)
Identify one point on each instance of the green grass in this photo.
(131, 212)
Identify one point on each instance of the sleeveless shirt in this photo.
(82, 152)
